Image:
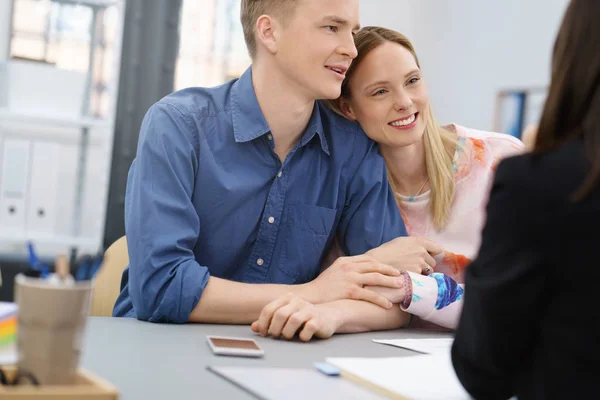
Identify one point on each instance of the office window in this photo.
(52, 33)
(59, 34)
(212, 48)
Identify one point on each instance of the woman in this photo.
(441, 176)
(530, 326)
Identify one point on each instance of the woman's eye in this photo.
(380, 92)
(414, 80)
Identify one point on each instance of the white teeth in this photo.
(338, 70)
(404, 122)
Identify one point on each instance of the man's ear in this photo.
(346, 109)
(265, 33)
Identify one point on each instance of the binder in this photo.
(14, 181)
(42, 199)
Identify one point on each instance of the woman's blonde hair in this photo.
(439, 143)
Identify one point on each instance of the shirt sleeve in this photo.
(505, 289)
(371, 216)
(436, 298)
(162, 225)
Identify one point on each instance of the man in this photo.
(237, 191)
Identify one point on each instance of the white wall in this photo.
(395, 14)
(470, 49)
(5, 23)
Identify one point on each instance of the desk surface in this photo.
(155, 361)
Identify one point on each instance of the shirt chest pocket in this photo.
(306, 233)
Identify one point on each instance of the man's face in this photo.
(316, 45)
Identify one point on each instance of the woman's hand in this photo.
(414, 254)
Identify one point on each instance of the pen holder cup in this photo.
(51, 326)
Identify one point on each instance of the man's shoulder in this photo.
(198, 102)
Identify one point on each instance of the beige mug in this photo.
(51, 325)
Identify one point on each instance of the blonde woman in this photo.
(441, 177)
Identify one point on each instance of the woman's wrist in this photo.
(407, 290)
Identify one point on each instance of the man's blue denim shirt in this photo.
(207, 195)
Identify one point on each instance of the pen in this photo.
(39, 269)
(82, 267)
(88, 267)
(61, 267)
(72, 255)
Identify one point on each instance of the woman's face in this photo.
(388, 96)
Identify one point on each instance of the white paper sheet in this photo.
(7, 309)
(293, 384)
(8, 355)
(424, 377)
(427, 346)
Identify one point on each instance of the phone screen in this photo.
(234, 344)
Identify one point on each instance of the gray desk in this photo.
(151, 361)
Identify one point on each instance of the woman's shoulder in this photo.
(481, 151)
(500, 145)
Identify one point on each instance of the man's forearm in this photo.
(229, 302)
(359, 316)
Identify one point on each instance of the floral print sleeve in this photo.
(436, 298)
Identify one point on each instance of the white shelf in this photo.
(8, 237)
(89, 3)
(36, 118)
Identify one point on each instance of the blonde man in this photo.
(237, 191)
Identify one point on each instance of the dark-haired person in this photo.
(530, 325)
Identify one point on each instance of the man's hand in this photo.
(414, 254)
(290, 315)
(347, 277)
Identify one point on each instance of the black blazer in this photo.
(531, 320)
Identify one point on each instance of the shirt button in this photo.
(270, 137)
(260, 261)
(279, 174)
(271, 220)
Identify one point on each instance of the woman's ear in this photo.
(346, 109)
(265, 33)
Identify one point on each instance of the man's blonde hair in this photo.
(251, 10)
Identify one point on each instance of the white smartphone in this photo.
(231, 346)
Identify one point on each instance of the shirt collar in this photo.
(247, 117)
(249, 122)
(315, 126)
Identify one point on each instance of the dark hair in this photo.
(572, 109)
